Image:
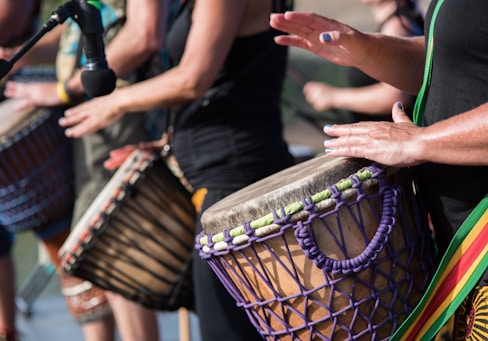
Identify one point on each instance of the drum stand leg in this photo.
(184, 324)
(35, 282)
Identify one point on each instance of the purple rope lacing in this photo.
(271, 314)
(362, 261)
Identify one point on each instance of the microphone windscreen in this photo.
(98, 82)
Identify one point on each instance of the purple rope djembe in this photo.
(36, 170)
(348, 261)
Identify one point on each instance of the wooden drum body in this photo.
(330, 249)
(36, 169)
(137, 237)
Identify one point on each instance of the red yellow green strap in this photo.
(462, 266)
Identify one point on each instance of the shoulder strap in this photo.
(466, 258)
(460, 269)
(418, 113)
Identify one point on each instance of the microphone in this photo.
(97, 78)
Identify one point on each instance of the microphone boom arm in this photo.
(97, 78)
(59, 16)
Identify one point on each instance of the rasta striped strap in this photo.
(460, 269)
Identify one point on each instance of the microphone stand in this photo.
(59, 16)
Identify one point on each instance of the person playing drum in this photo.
(225, 87)
(448, 146)
(134, 31)
(14, 31)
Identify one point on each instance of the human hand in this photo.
(319, 95)
(39, 94)
(328, 38)
(119, 155)
(390, 143)
(90, 116)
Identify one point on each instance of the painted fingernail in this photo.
(326, 37)
(327, 127)
(400, 106)
(328, 150)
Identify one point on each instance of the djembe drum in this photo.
(330, 249)
(137, 237)
(36, 170)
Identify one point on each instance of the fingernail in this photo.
(400, 106)
(327, 127)
(328, 150)
(326, 37)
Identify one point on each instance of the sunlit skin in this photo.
(398, 61)
(459, 140)
(374, 99)
(133, 44)
(119, 155)
(215, 24)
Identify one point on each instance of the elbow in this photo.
(153, 43)
(193, 89)
(148, 43)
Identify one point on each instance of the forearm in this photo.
(398, 61)
(394, 60)
(460, 140)
(45, 50)
(173, 88)
(141, 36)
(375, 99)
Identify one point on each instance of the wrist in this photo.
(69, 92)
(64, 93)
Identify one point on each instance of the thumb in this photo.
(398, 114)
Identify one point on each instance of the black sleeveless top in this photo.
(356, 78)
(459, 83)
(233, 136)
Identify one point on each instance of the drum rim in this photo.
(265, 226)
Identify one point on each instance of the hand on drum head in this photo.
(397, 143)
(38, 94)
(119, 155)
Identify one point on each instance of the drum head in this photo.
(11, 117)
(278, 190)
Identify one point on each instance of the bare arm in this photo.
(141, 36)
(375, 99)
(459, 140)
(398, 61)
(215, 24)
